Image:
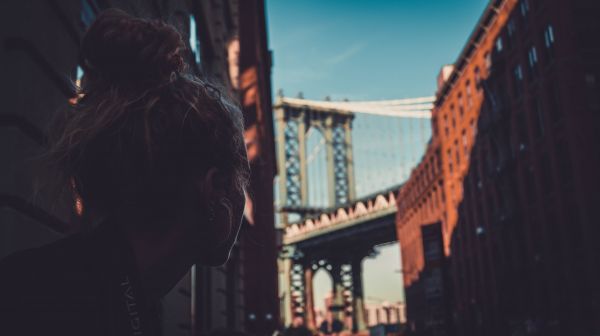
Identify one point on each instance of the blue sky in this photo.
(367, 50)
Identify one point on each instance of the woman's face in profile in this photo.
(228, 222)
(213, 232)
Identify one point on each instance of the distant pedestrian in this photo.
(298, 328)
(331, 328)
(331, 325)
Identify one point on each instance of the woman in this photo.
(157, 158)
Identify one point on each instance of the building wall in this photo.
(523, 250)
(38, 53)
(259, 245)
(420, 202)
(434, 190)
(514, 134)
(458, 107)
(391, 313)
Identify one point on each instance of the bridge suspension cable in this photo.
(418, 108)
(377, 143)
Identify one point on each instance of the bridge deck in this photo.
(372, 215)
(343, 225)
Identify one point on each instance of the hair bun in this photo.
(120, 47)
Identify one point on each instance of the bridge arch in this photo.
(322, 292)
(383, 304)
(345, 229)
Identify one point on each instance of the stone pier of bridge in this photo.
(347, 287)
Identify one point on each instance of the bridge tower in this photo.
(293, 122)
(339, 235)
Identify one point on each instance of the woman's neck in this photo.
(162, 259)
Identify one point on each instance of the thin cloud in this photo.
(350, 96)
(344, 55)
(302, 74)
(298, 36)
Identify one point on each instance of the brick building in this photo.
(38, 57)
(514, 130)
(524, 255)
(434, 189)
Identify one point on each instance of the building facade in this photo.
(434, 189)
(509, 174)
(523, 252)
(40, 42)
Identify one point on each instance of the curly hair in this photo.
(143, 126)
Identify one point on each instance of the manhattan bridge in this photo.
(341, 164)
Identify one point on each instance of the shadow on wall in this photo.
(428, 299)
(38, 55)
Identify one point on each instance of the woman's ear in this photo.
(213, 185)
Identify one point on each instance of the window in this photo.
(461, 103)
(89, 8)
(512, 140)
(194, 41)
(501, 97)
(453, 115)
(549, 41)
(457, 150)
(492, 154)
(79, 73)
(547, 182)
(522, 131)
(524, 8)
(465, 143)
(446, 130)
(506, 141)
(430, 202)
(539, 117)
(488, 62)
(533, 60)
(524, 5)
(518, 72)
(473, 128)
(477, 78)
(469, 97)
(511, 27)
(450, 167)
(530, 184)
(499, 44)
(549, 36)
(565, 174)
(554, 102)
(518, 82)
